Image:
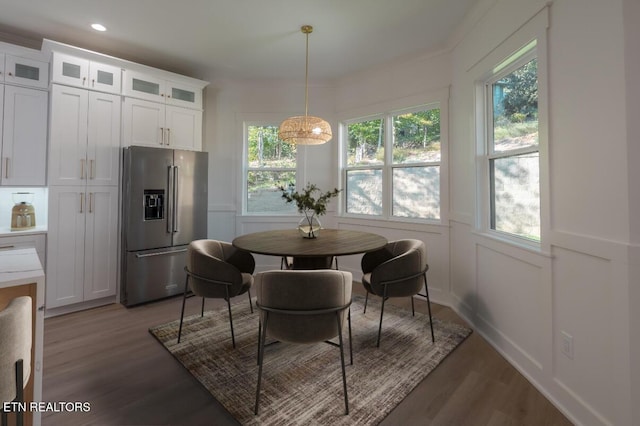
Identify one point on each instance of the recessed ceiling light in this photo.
(98, 27)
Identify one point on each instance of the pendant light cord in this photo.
(306, 79)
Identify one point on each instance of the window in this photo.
(399, 151)
(513, 158)
(270, 163)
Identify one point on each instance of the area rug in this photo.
(302, 384)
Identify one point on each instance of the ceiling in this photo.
(242, 39)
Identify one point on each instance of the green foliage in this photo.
(520, 91)
(416, 129)
(306, 201)
(411, 131)
(518, 117)
(510, 130)
(266, 149)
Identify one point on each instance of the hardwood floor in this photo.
(106, 357)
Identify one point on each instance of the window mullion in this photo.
(513, 152)
(387, 173)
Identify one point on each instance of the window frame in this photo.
(246, 169)
(510, 65)
(509, 56)
(388, 167)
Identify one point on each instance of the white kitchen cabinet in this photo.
(145, 86)
(80, 72)
(25, 71)
(36, 241)
(81, 244)
(24, 136)
(153, 124)
(84, 138)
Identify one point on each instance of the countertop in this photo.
(21, 266)
(5, 231)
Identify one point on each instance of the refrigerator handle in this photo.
(176, 197)
(170, 203)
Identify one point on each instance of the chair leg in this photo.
(233, 337)
(4, 420)
(413, 309)
(19, 392)
(184, 299)
(336, 258)
(366, 299)
(260, 361)
(350, 339)
(426, 290)
(259, 340)
(380, 326)
(250, 302)
(384, 299)
(344, 373)
(202, 310)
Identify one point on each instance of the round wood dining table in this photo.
(310, 253)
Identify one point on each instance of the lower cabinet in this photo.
(82, 244)
(36, 241)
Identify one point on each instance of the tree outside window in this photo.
(270, 163)
(400, 151)
(513, 149)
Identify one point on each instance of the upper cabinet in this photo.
(156, 89)
(146, 123)
(79, 72)
(21, 71)
(23, 116)
(24, 136)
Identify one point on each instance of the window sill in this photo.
(519, 243)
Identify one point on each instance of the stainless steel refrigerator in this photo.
(164, 209)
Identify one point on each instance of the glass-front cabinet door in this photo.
(105, 78)
(184, 95)
(80, 72)
(26, 72)
(144, 86)
(70, 70)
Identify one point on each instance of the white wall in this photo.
(631, 12)
(230, 103)
(521, 300)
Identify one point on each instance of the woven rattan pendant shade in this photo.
(305, 129)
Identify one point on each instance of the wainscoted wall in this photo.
(566, 315)
(560, 315)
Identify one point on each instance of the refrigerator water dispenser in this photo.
(153, 204)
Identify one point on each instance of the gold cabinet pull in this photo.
(91, 202)
(6, 167)
(82, 168)
(91, 170)
(168, 136)
(82, 202)
(162, 135)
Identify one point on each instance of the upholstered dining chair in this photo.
(399, 269)
(15, 353)
(216, 269)
(298, 306)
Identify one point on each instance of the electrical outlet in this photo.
(567, 344)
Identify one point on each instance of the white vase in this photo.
(309, 226)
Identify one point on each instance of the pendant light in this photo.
(305, 129)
